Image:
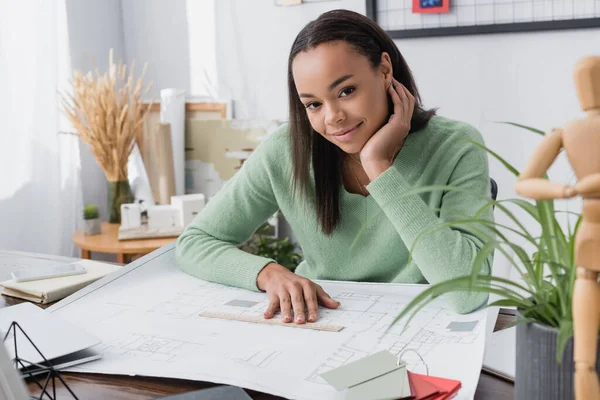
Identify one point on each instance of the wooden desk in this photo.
(118, 387)
(107, 242)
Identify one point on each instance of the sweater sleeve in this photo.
(448, 252)
(208, 248)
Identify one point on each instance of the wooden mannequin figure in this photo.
(581, 142)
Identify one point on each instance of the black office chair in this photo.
(493, 188)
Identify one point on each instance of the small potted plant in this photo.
(91, 220)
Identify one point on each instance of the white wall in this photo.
(156, 32)
(94, 27)
(178, 39)
(253, 42)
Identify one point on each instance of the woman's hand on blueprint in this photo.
(294, 295)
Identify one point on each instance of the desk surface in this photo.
(118, 387)
(107, 242)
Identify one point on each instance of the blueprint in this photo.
(147, 317)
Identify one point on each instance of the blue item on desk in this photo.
(224, 392)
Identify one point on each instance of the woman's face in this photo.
(344, 96)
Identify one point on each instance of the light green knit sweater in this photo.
(435, 155)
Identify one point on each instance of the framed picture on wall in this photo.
(430, 6)
(403, 19)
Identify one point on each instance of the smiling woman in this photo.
(341, 171)
(340, 68)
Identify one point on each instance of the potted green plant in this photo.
(281, 250)
(543, 295)
(91, 220)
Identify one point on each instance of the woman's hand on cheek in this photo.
(379, 152)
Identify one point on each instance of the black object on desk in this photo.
(224, 392)
(49, 374)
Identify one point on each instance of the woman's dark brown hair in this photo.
(309, 147)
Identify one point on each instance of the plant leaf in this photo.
(359, 234)
(573, 271)
(480, 259)
(512, 217)
(438, 188)
(565, 332)
(504, 303)
(523, 126)
(549, 235)
(496, 156)
(530, 208)
(462, 283)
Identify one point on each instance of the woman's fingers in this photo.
(272, 307)
(286, 306)
(298, 305)
(312, 305)
(325, 300)
(298, 300)
(395, 98)
(410, 100)
(404, 101)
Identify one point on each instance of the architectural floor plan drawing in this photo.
(149, 347)
(148, 319)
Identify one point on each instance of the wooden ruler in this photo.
(272, 321)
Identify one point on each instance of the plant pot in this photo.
(538, 375)
(91, 227)
(119, 193)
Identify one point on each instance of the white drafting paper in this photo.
(148, 321)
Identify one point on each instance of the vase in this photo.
(119, 192)
(538, 375)
(91, 227)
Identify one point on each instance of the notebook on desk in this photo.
(49, 290)
(500, 354)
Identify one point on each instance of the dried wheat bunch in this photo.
(107, 113)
